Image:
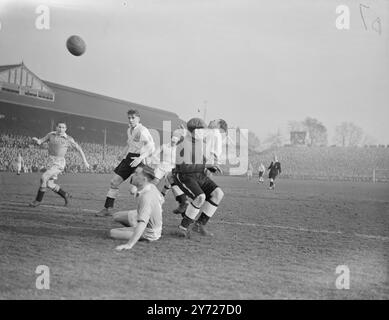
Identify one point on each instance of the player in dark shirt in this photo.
(274, 171)
(192, 175)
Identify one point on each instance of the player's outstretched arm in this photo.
(40, 141)
(82, 154)
(139, 229)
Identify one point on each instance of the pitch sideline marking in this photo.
(359, 235)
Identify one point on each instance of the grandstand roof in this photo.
(92, 105)
(9, 66)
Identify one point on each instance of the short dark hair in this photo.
(223, 125)
(133, 112)
(58, 122)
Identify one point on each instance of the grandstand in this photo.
(30, 106)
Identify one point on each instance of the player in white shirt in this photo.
(261, 172)
(19, 164)
(140, 145)
(163, 161)
(144, 223)
(58, 142)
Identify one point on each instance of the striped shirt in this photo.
(58, 143)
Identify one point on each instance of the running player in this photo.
(192, 175)
(140, 145)
(261, 172)
(275, 170)
(58, 142)
(144, 223)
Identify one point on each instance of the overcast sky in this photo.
(258, 64)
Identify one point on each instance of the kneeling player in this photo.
(59, 142)
(144, 223)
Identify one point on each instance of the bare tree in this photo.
(317, 132)
(347, 134)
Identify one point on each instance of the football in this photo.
(76, 45)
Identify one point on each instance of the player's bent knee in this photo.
(44, 181)
(51, 185)
(116, 181)
(200, 199)
(218, 194)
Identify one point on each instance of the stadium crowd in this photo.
(329, 163)
(34, 156)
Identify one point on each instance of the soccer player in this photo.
(19, 163)
(140, 145)
(192, 175)
(145, 222)
(163, 161)
(275, 170)
(214, 146)
(58, 142)
(250, 172)
(261, 172)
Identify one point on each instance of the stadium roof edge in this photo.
(93, 94)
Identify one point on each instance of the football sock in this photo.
(192, 211)
(203, 219)
(40, 195)
(208, 210)
(61, 192)
(185, 222)
(181, 198)
(109, 202)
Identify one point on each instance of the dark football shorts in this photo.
(194, 184)
(124, 168)
(273, 174)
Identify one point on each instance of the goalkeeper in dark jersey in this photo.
(192, 175)
(274, 171)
